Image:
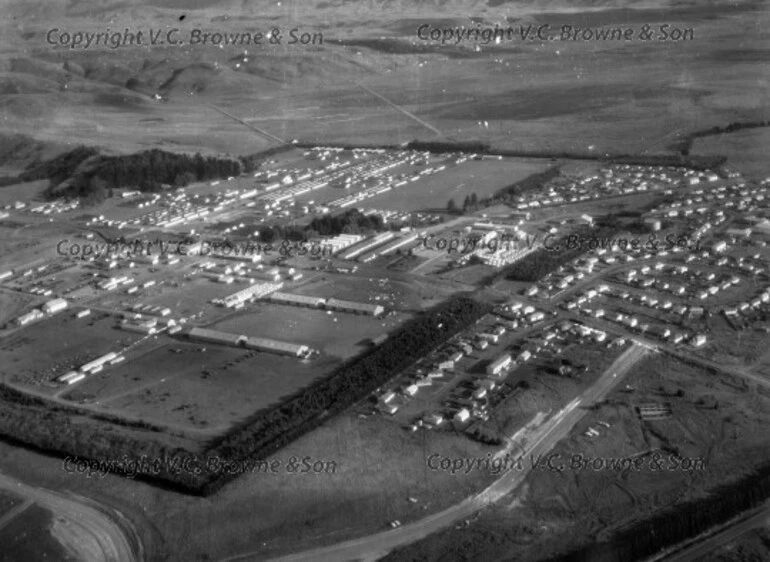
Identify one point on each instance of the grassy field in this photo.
(393, 294)
(61, 343)
(432, 192)
(13, 304)
(338, 334)
(211, 389)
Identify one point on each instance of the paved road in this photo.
(708, 545)
(90, 531)
(679, 352)
(375, 546)
(14, 512)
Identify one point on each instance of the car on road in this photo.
(394, 524)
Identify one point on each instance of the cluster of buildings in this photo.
(55, 207)
(48, 309)
(372, 175)
(148, 319)
(251, 293)
(415, 218)
(740, 316)
(442, 365)
(691, 283)
(288, 190)
(608, 182)
(366, 245)
(91, 368)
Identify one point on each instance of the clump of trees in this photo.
(252, 162)
(352, 221)
(71, 176)
(530, 183)
(541, 262)
(349, 222)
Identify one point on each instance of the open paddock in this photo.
(52, 346)
(482, 177)
(13, 304)
(398, 294)
(185, 297)
(339, 334)
(203, 385)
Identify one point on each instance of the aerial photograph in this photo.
(385, 280)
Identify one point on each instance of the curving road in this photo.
(373, 547)
(86, 530)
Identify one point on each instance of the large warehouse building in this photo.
(275, 346)
(297, 300)
(215, 336)
(355, 307)
(238, 340)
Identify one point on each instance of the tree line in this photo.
(506, 195)
(536, 265)
(685, 145)
(85, 174)
(61, 429)
(476, 147)
(271, 429)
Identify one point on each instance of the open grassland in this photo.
(580, 96)
(341, 335)
(746, 150)
(484, 178)
(60, 343)
(200, 386)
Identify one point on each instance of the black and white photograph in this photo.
(384, 280)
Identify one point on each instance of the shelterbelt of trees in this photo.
(706, 162)
(685, 145)
(86, 174)
(68, 430)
